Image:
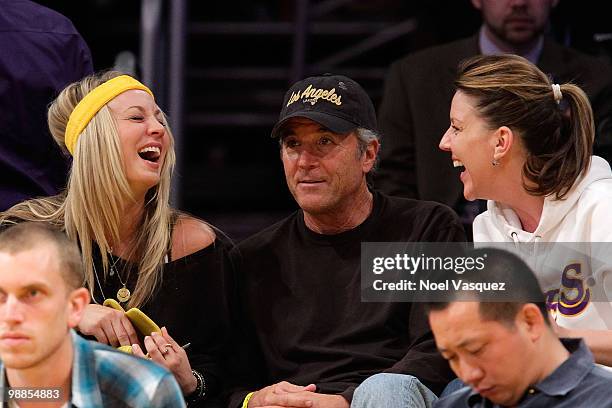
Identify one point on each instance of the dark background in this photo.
(231, 174)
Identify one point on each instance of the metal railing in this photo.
(162, 58)
(166, 80)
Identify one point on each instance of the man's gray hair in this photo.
(364, 138)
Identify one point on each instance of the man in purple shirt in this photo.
(40, 53)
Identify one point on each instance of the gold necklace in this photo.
(123, 294)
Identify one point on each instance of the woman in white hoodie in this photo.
(525, 144)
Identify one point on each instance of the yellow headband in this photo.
(93, 102)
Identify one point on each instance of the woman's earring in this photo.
(494, 162)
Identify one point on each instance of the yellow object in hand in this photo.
(112, 303)
(140, 320)
(125, 349)
(143, 323)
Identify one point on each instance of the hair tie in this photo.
(556, 89)
(86, 109)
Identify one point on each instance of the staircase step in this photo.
(283, 28)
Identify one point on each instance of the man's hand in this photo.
(285, 394)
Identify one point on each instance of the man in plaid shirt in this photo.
(43, 359)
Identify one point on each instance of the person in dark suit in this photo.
(415, 107)
(40, 53)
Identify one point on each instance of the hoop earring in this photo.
(494, 162)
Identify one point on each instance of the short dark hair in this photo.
(28, 235)
(501, 266)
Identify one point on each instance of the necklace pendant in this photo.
(123, 294)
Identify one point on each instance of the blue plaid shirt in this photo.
(104, 377)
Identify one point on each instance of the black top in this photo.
(302, 302)
(578, 382)
(192, 302)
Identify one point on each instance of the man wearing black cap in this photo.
(300, 278)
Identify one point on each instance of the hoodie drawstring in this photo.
(514, 237)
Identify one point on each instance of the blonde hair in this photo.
(90, 209)
(511, 91)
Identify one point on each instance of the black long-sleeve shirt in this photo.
(302, 303)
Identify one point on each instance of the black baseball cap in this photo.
(334, 101)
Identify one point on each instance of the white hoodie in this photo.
(585, 274)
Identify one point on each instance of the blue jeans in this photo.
(392, 391)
